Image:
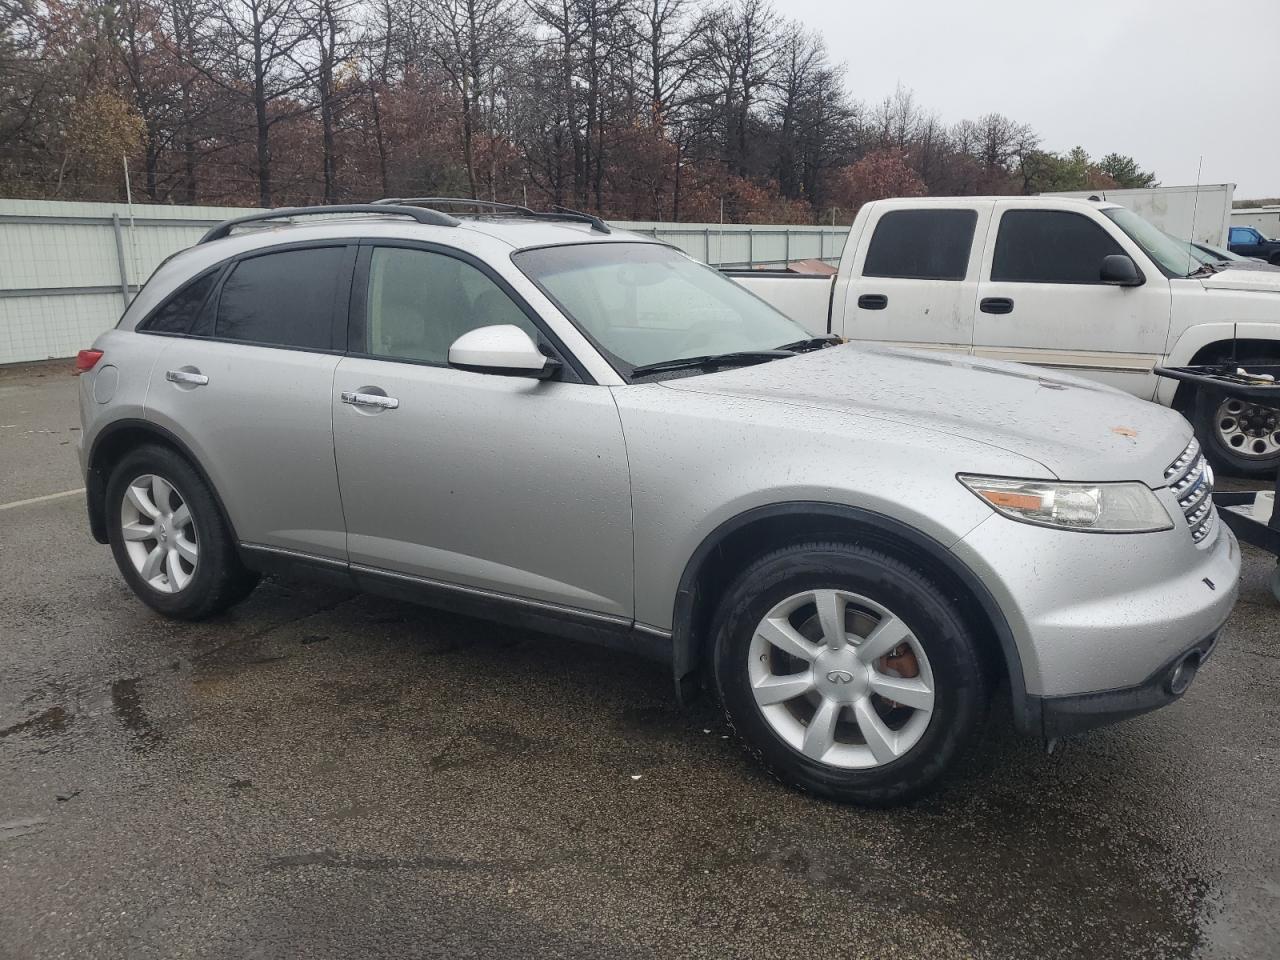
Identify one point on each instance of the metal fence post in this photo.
(751, 248)
(706, 242)
(124, 274)
(786, 249)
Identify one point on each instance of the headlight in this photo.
(1089, 507)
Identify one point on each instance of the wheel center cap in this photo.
(839, 675)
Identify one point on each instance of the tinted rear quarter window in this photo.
(180, 311)
(282, 299)
(921, 245)
(1050, 246)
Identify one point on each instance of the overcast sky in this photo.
(1167, 81)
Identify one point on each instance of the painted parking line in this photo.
(46, 498)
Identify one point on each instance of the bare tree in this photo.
(249, 49)
(471, 41)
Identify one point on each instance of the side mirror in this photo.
(1121, 271)
(503, 349)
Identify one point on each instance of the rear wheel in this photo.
(169, 538)
(848, 673)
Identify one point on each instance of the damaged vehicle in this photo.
(532, 418)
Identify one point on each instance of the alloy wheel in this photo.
(1248, 429)
(159, 534)
(841, 678)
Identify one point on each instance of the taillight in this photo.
(86, 359)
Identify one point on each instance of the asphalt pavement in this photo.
(325, 774)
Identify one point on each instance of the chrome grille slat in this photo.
(1191, 481)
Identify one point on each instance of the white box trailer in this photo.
(1201, 213)
(1266, 220)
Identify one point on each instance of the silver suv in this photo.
(531, 418)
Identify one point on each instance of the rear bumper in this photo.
(1064, 716)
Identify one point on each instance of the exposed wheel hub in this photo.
(1248, 429)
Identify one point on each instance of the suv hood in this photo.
(1260, 277)
(1076, 429)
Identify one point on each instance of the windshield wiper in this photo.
(1204, 270)
(711, 361)
(813, 343)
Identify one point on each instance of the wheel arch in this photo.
(1246, 348)
(115, 441)
(733, 545)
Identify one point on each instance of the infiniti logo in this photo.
(840, 676)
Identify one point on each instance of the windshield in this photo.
(1173, 256)
(642, 303)
(1220, 255)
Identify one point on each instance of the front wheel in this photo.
(848, 673)
(169, 538)
(1238, 436)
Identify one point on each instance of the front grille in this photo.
(1191, 479)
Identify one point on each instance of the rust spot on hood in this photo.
(1125, 431)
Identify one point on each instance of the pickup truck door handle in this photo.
(186, 376)
(996, 305)
(369, 400)
(873, 301)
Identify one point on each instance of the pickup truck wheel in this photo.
(1238, 436)
(169, 539)
(848, 673)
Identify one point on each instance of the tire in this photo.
(199, 572)
(1230, 451)
(878, 590)
(1275, 582)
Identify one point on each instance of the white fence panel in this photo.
(68, 269)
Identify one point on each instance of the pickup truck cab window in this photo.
(921, 245)
(420, 302)
(644, 303)
(1050, 246)
(282, 299)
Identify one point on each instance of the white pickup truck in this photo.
(1076, 285)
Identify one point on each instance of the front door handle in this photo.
(873, 301)
(996, 305)
(369, 400)
(186, 376)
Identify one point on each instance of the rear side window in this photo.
(1050, 246)
(180, 310)
(282, 299)
(921, 245)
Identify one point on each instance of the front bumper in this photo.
(1100, 620)
(1064, 716)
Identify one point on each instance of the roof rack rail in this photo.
(455, 202)
(423, 215)
(567, 214)
(511, 209)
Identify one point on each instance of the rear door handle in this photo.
(186, 376)
(996, 305)
(369, 400)
(873, 301)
